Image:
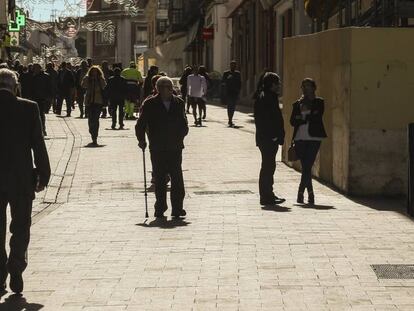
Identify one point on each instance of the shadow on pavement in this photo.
(316, 206)
(383, 204)
(17, 302)
(164, 223)
(276, 208)
(90, 145)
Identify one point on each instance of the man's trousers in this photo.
(21, 212)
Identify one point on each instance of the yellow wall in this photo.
(365, 76)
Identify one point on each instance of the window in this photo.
(141, 34)
(162, 26)
(163, 4)
(176, 17)
(101, 38)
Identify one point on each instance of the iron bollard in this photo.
(410, 201)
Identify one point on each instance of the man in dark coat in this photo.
(66, 84)
(41, 92)
(163, 118)
(116, 90)
(231, 86)
(270, 133)
(20, 135)
(80, 91)
(50, 70)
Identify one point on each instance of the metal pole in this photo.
(410, 201)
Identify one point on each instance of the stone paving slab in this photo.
(95, 251)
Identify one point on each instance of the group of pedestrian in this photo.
(24, 162)
(308, 133)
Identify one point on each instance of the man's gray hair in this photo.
(163, 81)
(8, 79)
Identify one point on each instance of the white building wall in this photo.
(222, 38)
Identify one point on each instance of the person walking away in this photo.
(231, 86)
(26, 83)
(80, 91)
(116, 90)
(107, 74)
(134, 79)
(202, 71)
(183, 82)
(163, 118)
(41, 92)
(148, 89)
(22, 146)
(309, 131)
(94, 84)
(270, 134)
(66, 83)
(196, 90)
(50, 70)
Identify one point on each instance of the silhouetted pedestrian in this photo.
(309, 131)
(183, 82)
(148, 89)
(270, 133)
(66, 85)
(116, 90)
(94, 84)
(163, 115)
(20, 136)
(41, 92)
(203, 72)
(231, 86)
(80, 91)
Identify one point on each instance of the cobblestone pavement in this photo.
(91, 248)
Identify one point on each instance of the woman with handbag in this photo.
(94, 84)
(270, 133)
(308, 134)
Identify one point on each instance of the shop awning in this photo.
(168, 51)
(192, 33)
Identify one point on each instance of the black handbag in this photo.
(292, 156)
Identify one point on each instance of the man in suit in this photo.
(231, 86)
(66, 84)
(163, 118)
(20, 135)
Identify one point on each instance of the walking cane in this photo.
(145, 185)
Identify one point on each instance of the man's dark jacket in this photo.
(315, 118)
(231, 84)
(20, 134)
(42, 88)
(66, 82)
(166, 129)
(116, 89)
(268, 119)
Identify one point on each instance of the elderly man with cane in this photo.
(20, 136)
(163, 118)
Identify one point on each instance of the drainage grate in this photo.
(394, 271)
(223, 192)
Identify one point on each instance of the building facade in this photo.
(130, 33)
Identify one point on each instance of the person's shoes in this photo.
(81, 116)
(196, 122)
(300, 198)
(204, 117)
(94, 142)
(113, 127)
(16, 282)
(311, 198)
(121, 127)
(44, 133)
(231, 124)
(279, 200)
(68, 115)
(178, 214)
(199, 122)
(187, 111)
